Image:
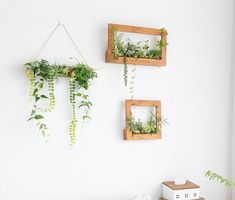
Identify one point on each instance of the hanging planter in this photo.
(80, 77)
(138, 130)
(41, 72)
(122, 52)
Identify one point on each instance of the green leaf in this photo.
(41, 85)
(86, 117)
(44, 96)
(33, 113)
(31, 118)
(42, 126)
(38, 117)
(37, 98)
(35, 92)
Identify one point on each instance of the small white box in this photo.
(187, 191)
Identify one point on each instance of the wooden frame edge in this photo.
(127, 134)
(135, 29)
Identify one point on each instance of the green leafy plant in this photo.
(152, 126)
(33, 71)
(137, 50)
(214, 176)
(79, 83)
(80, 76)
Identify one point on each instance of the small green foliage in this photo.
(137, 50)
(118, 45)
(164, 31)
(213, 176)
(79, 82)
(83, 74)
(151, 126)
(80, 75)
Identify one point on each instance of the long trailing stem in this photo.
(51, 88)
(132, 82)
(36, 113)
(125, 71)
(86, 105)
(73, 122)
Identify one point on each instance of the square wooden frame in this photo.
(109, 58)
(128, 135)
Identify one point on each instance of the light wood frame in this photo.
(128, 135)
(109, 58)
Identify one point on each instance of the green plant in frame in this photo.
(214, 176)
(128, 49)
(80, 76)
(150, 127)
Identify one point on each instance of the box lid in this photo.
(198, 199)
(187, 185)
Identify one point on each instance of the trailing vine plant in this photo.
(80, 76)
(132, 82)
(214, 176)
(152, 126)
(33, 71)
(137, 50)
(79, 83)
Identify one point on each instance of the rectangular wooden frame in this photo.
(135, 29)
(128, 135)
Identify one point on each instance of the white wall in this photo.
(233, 105)
(195, 90)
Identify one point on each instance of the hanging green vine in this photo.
(33, 69)
(51, 88)
(125, 71)
(132, 82)
(73, 122)
(80, 76)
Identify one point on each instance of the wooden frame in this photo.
(128, 135)
(109, 58)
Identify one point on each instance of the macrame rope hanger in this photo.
(59, 25)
